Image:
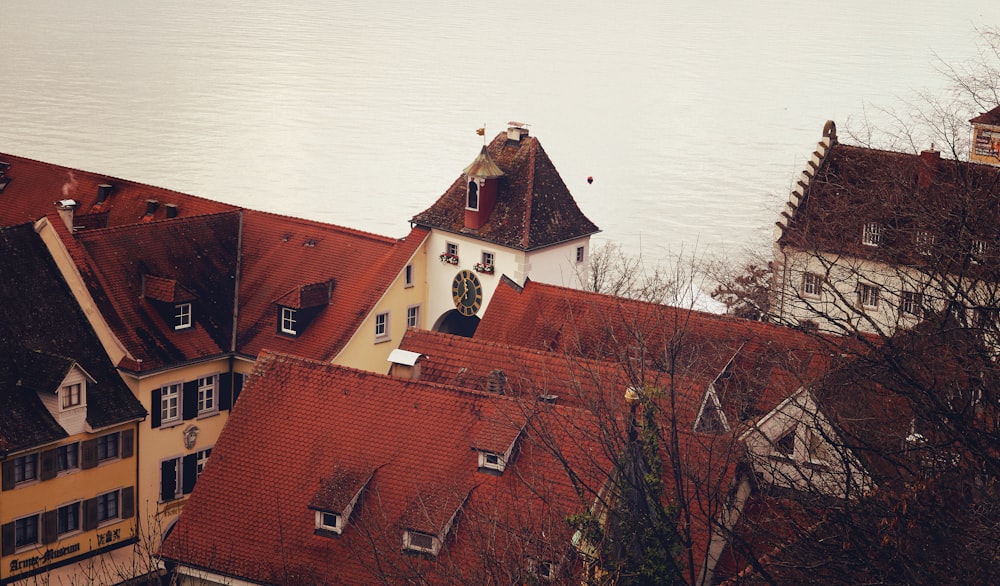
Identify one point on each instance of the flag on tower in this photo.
(481, 131)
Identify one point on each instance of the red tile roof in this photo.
(280, 254)
(282, 452)
(991, 117)
(946, 203)
(136, 272)
(34, 187)
(534, 207)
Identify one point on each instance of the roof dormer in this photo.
(61, 384)
(172, 300)
(429, 518)
(299, 306)
(336, 499)
(482, 178)
(495, 439)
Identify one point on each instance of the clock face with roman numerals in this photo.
(467, 292)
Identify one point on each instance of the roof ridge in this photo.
(336, 227)
(530, 203)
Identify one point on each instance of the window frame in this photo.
(871, 234)
(201, 461)
(103, 500)
(60, 517)
(208, 394)
(68, 393)
(62, 458)
(382, 326)
(20, 525)
(166, 405)
(322, 516)
(924, 242)
(408, 275)
(22, 469)
(978, 250)
(104, 446)
(868, 296)
(580, 254)
(812, 285)
(451, 248)
(489, 258)
(182, 316)
(911, 303)
(410, 544)
(413, 316)
(287, 321)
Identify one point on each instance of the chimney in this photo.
(516, 131)
(927, 171)
(66, 208)
(171, 210)
(151, 205)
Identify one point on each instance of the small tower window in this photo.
(473, 203)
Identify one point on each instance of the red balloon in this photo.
(590, 179)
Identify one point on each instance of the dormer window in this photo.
(492, 461)
(71, 396)
(328, 521)
(544, 570)
(872, 234)
(472, 203)
(288, 321)
(182, 316)
(924, 242)
(978, 250)
(421, 542)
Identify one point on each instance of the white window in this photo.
(25, 468)
(408, 276)
(72, 396)
(451, 248)
(872, 234)
(288, 321)
(413, 316)
(182, 316)
(812, 285)
(978, 249)
(107, 506)
(579, 254)
(910, 303)
(170, 400)
(68, 518)
(867, 295)
(924, 242)
(488, 259)
(68, 457)
(201, 460)
(492, 461)
(206, 394)
(329, 521)
(107, 446)
(382, 326)
(416, 541)
(26, 531)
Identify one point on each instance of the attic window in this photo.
(421, 542)
(496, 382)
(309, 243)
(978, 250)
(543, 570)
(287, 321)
(71, 396)
(329, 521)
(924, 242)
(492, 461)
(182, 316)
(785, 446)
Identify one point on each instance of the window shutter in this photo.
(48, 470)
(89, 514)
(128, 443)
(168, 480)
(128, 502)
(8, 475)
(88, 454)
(49, 526)
(225, 391)
(190, 400)
(155, 409)
(190, 472)
(238, 379)
(7, 537)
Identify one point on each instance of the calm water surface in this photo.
(693, 118)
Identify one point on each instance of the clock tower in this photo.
(508, 214)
